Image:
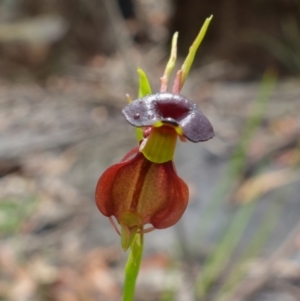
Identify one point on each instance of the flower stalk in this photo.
(133, 266)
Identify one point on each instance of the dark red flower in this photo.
(145, 189)
(139, 192)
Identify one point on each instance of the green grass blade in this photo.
(238, 160)
(220, 257)
(254, 247)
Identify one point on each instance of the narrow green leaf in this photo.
(220, 257)
(255, 245)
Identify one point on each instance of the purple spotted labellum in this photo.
(173, 110)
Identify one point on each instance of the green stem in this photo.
(132, 266)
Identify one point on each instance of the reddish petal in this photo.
(104, 188)
(116, 186)
(138, 192)
(170, 196)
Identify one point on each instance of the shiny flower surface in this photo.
(173, 109)
(139, 192)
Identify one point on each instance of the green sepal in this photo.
(127, 236)
(164, 80)
(144, 89)
(144, 85)
(130, 223)
(173, 55)
(186, 66)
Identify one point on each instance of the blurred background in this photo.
(65, 67)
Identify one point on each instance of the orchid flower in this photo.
(144, 188)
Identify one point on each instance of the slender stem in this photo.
(132, 267)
